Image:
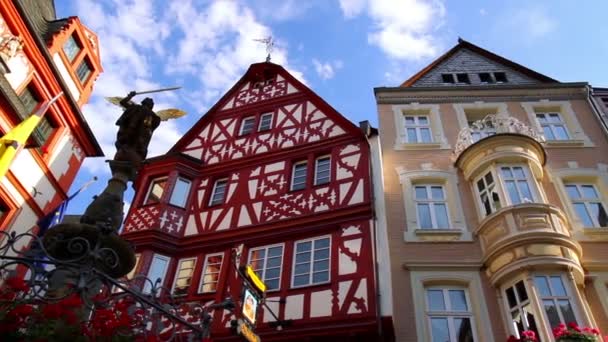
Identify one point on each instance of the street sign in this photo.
(244, 330)
(250, 306)
(257, 282)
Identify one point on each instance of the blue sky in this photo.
(341, 49)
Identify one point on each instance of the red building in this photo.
(274, 167)
(40, 56)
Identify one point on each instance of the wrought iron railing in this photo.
(152, 313)
(492, 125)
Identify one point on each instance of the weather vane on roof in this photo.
(269, 42)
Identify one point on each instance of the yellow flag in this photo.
(13, 141)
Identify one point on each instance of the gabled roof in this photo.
(259, 71)
(463, 44)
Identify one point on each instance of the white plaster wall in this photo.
(66, 76)
(31, 176)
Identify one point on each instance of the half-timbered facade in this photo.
(274, 168)
(41, 56)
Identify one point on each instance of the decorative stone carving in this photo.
(492, 123)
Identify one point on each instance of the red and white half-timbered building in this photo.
(275, 168)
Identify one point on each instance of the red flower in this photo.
(512, 339)
(17, 284)
(574, 326)
(72, 301)
(22, 310)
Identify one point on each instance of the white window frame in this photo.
(204, 272)
(147, 286)
(431, 203)
(293, 175)
(519, 307)
(418, 128)
(551, 125)
(213, 192)
(585, 201)
(271, 115)
(527, 175)
(180, 202)
(264, 268)
(244, 125)
(316, 180)
(555, 299)
(150, 186)
(449, 314)
(486, 190)
(176, 277)
(312, 257)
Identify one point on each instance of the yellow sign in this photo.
(244, 330)
(259, 284)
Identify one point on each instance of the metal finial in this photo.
(269, 42)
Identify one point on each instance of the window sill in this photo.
(567, 143)
(437, 235)
(421, 146)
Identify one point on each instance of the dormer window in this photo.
(447, 78)
(71, 48)
(463, 78)
(84, 70)
(500, 77)
(485, 77)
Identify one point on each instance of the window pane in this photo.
(71, 48)
(302, 257)
(548, 133)
(322, 243)
(521, 291)
(572, 191)
(218, 192)
(298, 176)
(518, 172)
(558, 286)
(180, 192)
(513, 194)
(583, 215)
(506, 171)
(458, 301)
(435, 300)
(589, 191)
(511, 297)
(300, 280)
(83, 71)
(424, 215)
(566, 309)
(481, 185)
(439, 330)
(437, 192)
(600, 214)
(320, 265)
(322, 254)
(322, 170)
(409, 120)
(425, 135)
(441, 215)
(560, 132)
(423, 120)
(541, 118)
(303, 246)
(554, 117)
(411, 135)
(247, 125)
(156, 191)
(157, 271)
(274, 262)
(464, 332)
(551, 311)
(543, 286)
(265, 122)
(489, 178)
(524, 189)
(421, 192)
(302, 268)
(320, 277)
(272, 284)
(272, 273)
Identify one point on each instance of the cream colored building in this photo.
(494, 196)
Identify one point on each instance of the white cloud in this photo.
(327, 70)
(403, 29)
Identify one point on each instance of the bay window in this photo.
(521, 312)
(554, 300)
(156, 190)
(181, 190)
(505, 185)
(157, 271)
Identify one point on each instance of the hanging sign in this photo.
(244, 330)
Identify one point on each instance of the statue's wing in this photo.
(170, 113)
(115, 100)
